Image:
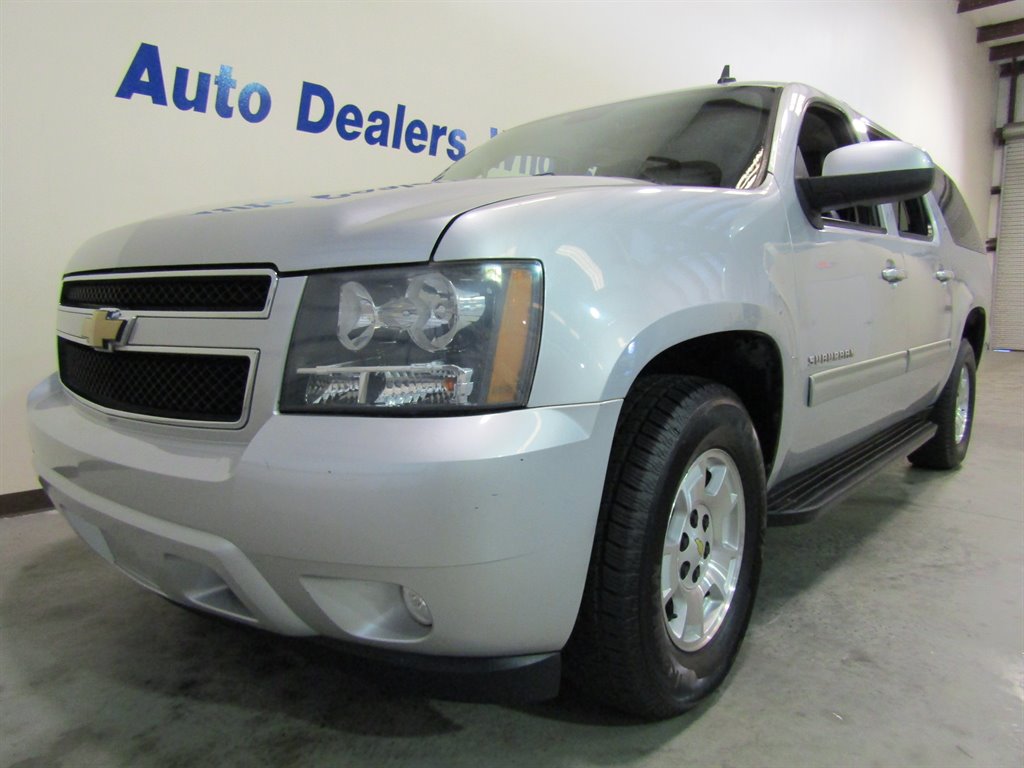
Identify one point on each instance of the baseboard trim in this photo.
(24, 503)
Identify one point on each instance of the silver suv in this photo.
(533, 415)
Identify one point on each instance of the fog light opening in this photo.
(417, 607)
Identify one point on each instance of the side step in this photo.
(800, 498)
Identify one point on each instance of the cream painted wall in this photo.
(75, 160)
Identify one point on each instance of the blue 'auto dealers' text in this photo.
(317, 113)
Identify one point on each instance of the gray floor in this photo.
(889, 632)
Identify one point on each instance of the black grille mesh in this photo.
(173, 386)
(228, 293)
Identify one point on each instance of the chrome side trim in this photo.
(252, 354)
(170, 274)
(836, 382)
(925, 355)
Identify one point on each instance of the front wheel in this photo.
(677, 552)
(953, 414)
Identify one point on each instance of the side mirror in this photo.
(869, 173)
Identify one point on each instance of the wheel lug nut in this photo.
(693, 518)
(696, 574)
(707, 548)
(684, 544)
(706, 521)
(684, 569)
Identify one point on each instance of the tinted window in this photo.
(954, 211)
(715, 137)
(913, 218)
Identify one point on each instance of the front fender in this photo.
(630, 272)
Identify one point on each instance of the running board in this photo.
(801, 497)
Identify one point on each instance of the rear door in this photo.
(925, 297)
(925, 300)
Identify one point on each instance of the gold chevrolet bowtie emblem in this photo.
(104, 328)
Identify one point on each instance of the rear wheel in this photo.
(677, 552)
(954, 416)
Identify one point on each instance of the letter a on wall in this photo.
(145, 64)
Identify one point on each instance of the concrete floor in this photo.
(889, 632)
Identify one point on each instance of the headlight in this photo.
(427, 338)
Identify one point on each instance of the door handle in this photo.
(894, 274)
(945, 275)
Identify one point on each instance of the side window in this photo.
(955, 212)
(823, 130)
(913, 218)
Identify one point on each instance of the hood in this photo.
(392, 225)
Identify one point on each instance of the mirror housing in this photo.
(868, 173)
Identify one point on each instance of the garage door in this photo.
(1008, 302)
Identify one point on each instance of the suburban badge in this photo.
(830, 357)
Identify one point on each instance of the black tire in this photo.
(948, 446)
(625, 650)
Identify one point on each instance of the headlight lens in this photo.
(456, 336)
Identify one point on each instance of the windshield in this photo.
(713, 137)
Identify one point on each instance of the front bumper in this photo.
(313, 525)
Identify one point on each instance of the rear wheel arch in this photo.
(974, 331)
(953, 415)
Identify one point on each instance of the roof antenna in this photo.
(725, 79)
